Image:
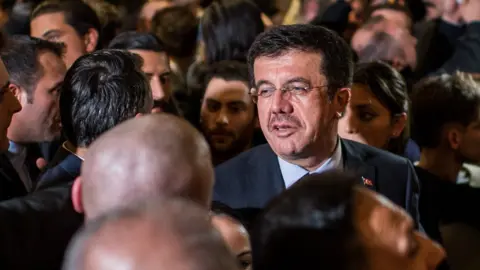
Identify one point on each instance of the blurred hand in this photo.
(41, 163)
(470, 10)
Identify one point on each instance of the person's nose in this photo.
(280, 102)
(157, 90)
(222, 118)
(434, 253)
(351, 123)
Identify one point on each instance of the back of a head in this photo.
(133, 40)
(101, 90)
(149, 156)
(21, 58)
(308, 226)
(440, 100)
(77, 14)
(337, 57)
(162, 234)
(228, 29)
(177, 28)
(381, 47)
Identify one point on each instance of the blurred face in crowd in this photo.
(398, 17)
(227, 116)
(157, 68)
(464, 140)
(236, 237)
(408, 43)
(389, 238)
(39, 119)
(148, 11)
(53, 27)
(302, 119)
(434, 9)
(8, 106)
(367, 120)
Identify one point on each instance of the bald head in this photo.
(170, 234)
(150, 156)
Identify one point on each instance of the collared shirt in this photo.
(17, 154)
(292, 173)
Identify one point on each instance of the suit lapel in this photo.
(9, 174)
(353, 161)
(265, 177)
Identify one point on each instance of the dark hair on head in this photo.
(228, 71)
(395, 6)
(311, 222)
(228, 29)
(389, 87)
(133, 40)
(440, 100)
(337, 58)
(177, 27)
(21, 58)
(101, 90)
(77, 14)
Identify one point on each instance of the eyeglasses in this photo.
(288, 91)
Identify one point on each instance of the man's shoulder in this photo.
(245, 159)
(372, 155)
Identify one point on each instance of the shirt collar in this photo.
(292, 173)
(15, 148)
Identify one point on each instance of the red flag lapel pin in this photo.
(367, 182)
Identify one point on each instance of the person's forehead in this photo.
(3, 74)
(226, 89)
(48, 21)
(290, 64)
(152, 59)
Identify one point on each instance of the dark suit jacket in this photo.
(251, 179)
(36, 229)
(11, 186)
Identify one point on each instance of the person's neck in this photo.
(312, 161)
(78, 151)
(441, 163)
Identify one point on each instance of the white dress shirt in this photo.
(292, 173)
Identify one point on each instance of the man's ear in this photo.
(399, 124)
(342, 98)
(91, 40)
(454, 136)
(16, 91)
(77, 195)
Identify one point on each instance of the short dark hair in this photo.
(133, 40)
(21, 58)
(77, 14)
(310, 222)
(228, 29)
(391, 6)
(101, 90)
(337, 58)
(389, 87)
(177, 28)
(440, 100)
(228, 71)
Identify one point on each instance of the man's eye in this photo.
(366, 116)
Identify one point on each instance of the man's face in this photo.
(8, 106)
(227, 115)
(52, 27)
(157, 68)
(39, 120)
(300, 123)
(389, 238)
(467, 149)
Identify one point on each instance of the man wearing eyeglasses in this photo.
(301, 77)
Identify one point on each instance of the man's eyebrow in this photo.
(49, 32)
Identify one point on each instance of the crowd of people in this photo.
(240, 134)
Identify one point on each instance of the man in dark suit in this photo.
(36, 73)
(35, 229)
(301, 76)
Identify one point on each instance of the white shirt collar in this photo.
(292, 173)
